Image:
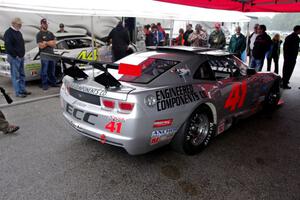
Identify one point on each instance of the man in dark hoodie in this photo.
(15, 49)
(120, 41)
(290, 53)
(262, 44)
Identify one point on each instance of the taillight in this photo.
(108, 104)
(125, 106)
(162, 123)
(120, 106)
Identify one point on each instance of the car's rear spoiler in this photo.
(105, 79)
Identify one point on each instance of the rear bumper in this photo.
(134, 137)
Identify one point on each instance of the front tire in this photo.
(195, 134)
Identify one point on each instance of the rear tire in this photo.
(195, 134)
(273, 97)
(59, 74)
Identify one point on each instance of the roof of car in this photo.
(69, 35)
(194, 50)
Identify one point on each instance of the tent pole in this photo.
(171, 32)
(247, 41)
(93, 39)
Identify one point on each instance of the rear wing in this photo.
(105, 79)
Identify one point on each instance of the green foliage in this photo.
(282, 22)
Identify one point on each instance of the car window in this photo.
(151, 69)
(204, 72)
(62, 45)
(78, 43)
(225, 67)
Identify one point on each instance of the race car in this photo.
(68, 44)
(183, 96)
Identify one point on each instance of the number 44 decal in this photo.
(114, 127)
(237, 96)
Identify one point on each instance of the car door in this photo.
(234, 87)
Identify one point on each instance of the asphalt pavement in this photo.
(258, 158)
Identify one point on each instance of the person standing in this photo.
(158, 36)
(46, 42)
(162, 30)
(274, 52)
(262, 45)
(15, 49)
(237, 43)
(5, 127)
(217, 38)
(149, 38)
(189, 30)
(290, 53)
(179, 39)
(61, 28)
(119, 37)
(251, 41)
(199, 37)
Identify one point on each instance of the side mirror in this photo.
(251, 71)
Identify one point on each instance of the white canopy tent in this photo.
(122, 8)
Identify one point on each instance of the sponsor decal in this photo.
(114, 127)
(173, 97)
(33, 66)
(221, 126)
(102, 139)
(94, 91)
(237, 96)
(34, 73)
(80, 114)
(162, 123)
(115, 118)
(84, 55)
(162, 135)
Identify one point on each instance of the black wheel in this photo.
(273, 97)
(59, 74)
(196, 132)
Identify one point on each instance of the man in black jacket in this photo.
(262, 44)
(15, 49)
(290, 53)
(120, 41)
(189, 30)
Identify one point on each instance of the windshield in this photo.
(151, 69)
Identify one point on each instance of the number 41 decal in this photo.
(114, 127)
(237, 96)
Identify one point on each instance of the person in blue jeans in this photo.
(15, 49)
(262, 45)
(46, 42)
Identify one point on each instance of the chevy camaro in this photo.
(183, 96)
(68, 44)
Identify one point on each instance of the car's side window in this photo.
(204, 72)
(224, 67)
(62, 45)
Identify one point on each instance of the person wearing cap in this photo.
(217, 38)
(189, 30)
(15, 49)
(46, 42)
(237, 43)
(61, 28)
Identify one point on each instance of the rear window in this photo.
(151, 69)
